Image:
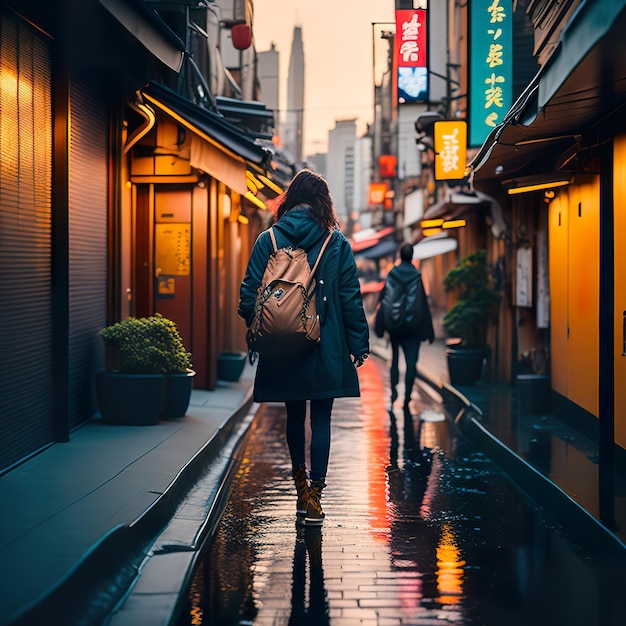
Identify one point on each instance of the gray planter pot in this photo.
(230, 365)
(465, 365)
(130, 399)
(177, 394)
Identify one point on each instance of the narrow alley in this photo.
(419, 529)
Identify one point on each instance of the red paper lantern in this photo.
(242, 36)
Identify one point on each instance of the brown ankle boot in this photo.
(302, 489)
(314, 512)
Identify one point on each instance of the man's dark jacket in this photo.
(407, 273)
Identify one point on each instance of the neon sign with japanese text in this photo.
(411, 58)
(450, 149)
(491, 64)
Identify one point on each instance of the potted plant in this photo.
(148, 373)
(469, 317)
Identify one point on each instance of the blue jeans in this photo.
(411, 349)
(320, 434)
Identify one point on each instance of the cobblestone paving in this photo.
(343, 574)
(410, 537)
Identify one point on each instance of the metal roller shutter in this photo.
(25, 242)
(87, 242)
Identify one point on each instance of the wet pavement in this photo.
(419, 529)
(560, 452)
(127, 535)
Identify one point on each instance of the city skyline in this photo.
(343, 44)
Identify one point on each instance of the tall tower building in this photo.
(292, 134)
(340, 167)
(269, 80)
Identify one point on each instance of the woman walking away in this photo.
(305, 217)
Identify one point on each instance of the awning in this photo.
(590, 24)
(281, 168)
(575, 97)
(373, 286)
(254, 116)
(217, 147)
(434, 246)
(223, 167)
(147, 27)
(378, 251)
(456, 205)
(360, 243)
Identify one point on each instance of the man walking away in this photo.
(406, 318)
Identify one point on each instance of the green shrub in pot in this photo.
(146, 345)
(468, 319)
(148, 375)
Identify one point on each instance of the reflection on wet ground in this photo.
(565, 455)
(419, 530)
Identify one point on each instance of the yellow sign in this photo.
(166, 286)
(377, 193)
(173, 249)
(450, 149)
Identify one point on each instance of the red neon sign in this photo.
(410, 41)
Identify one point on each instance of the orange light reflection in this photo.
(449, 567)
(377, 448)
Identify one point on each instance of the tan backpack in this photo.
(285, 317)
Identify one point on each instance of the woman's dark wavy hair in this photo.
(308, 187)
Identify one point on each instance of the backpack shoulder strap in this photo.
(273, 238)
(319, 256)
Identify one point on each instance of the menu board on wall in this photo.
(173, 249)
(543, 282)
(524, 277)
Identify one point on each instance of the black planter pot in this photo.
(177, 394)
(230, 365)
(130, 399)
(465, 365)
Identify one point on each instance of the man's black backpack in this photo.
(400, 308)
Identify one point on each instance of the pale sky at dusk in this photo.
(337, 41)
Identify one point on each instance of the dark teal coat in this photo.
(327, 370)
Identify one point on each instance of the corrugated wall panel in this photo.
(25, 242)
(619, 286)
(87, 241)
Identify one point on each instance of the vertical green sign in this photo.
(491, 66)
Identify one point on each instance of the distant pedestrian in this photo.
(305, 216)
(408, 321)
